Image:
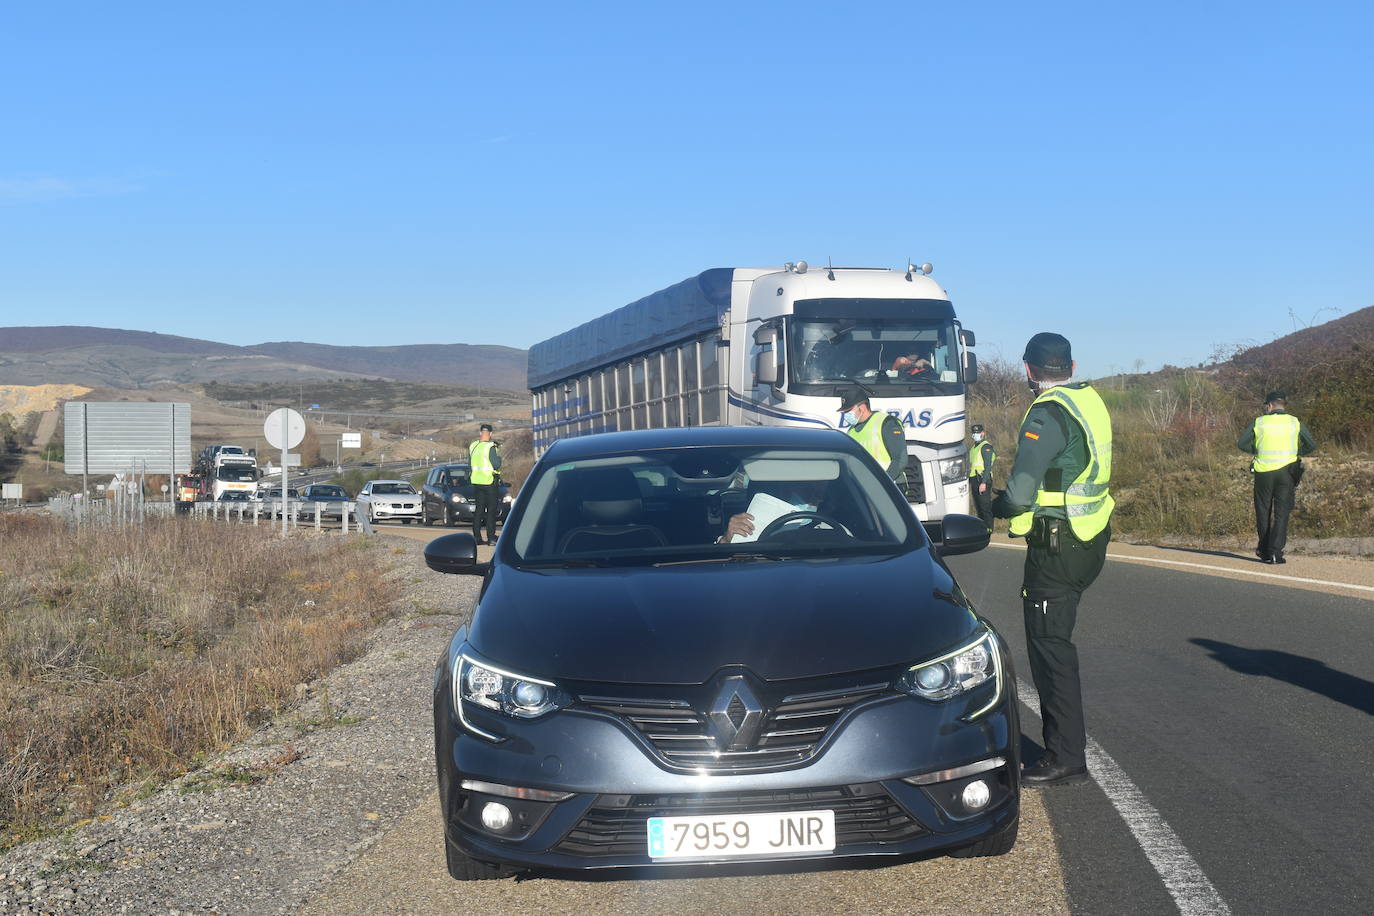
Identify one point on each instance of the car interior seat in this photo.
(610, 508)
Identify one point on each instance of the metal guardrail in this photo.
(299, 513)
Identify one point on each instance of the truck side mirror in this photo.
(767, 363)
(970, 368)
(966, 338)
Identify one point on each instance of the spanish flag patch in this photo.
(1031, 435)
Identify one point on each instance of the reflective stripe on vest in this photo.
(1276, 441)
(869, 434)
(976, 466)
(1086, 500)
(479, 456)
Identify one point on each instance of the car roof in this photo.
(700, 437)
(407, 482)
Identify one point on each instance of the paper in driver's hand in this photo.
(766, 510)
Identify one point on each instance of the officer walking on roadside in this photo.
(1057, 498)
(980, 459)
(880, 434)
(1276, 439)
(484, 456)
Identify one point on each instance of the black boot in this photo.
(1048, 771)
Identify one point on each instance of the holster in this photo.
(1047, 533)
(1295, 470)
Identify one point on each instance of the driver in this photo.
(914, 365)
(802, 495)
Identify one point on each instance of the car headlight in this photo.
(457, 498)
(957, 672)
(506, 692)
(506, 498)
(954, 470)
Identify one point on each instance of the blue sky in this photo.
(1154, 182)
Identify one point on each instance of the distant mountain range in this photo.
(109, 357)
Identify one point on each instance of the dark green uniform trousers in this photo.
(1051, 587)
(1274, 491)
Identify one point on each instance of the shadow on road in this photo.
(1229, 554)
(1299, 670)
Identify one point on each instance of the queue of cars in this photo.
(715, 645)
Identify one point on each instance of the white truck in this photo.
(773, 346)
(235, 473)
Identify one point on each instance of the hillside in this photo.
(1339, 339)
(141, 359)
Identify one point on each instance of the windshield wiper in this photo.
(723, 558)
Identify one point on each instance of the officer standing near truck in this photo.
(980, 459)
(484, 456)
(1057, 499)
(1276, 439)
(880, 434)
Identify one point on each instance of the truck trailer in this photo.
(773, 346)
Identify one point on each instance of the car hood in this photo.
(681, 624)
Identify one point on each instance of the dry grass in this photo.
(1178, 475)
(126, 656)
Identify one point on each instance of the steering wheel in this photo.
(817, 519)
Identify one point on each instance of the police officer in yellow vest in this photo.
(484, 456)
(880, 434)
(1276, 439)
(1057, 499)
(980, 459)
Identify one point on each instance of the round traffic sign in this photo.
(293, 423)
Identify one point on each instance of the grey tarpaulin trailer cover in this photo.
(680, 312)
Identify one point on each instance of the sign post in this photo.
(284, 429)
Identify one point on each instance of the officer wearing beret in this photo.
(1057, 499)
(1276, 439)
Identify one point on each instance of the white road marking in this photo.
(1227, 569)
(1183, 878)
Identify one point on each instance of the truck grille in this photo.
(616, 825)
(792, 729)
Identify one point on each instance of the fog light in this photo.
(496, 816)
(975, 796)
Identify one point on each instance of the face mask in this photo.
(847, 418)
(977, 437)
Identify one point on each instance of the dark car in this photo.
(331, 498)
(448, 496)
(651, 678)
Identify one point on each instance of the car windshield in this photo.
(677, 505)
(391, 489)
(874, 352)
(328, 492)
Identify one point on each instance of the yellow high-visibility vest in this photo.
(1276, 441)
(1086, 501)
(869, 434)
(976, 465)
(479, 456)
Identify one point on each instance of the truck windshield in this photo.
(237, 474)
(876, 352)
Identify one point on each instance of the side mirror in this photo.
(967, 338)
(959, 534)
(766, 365)
(970, 368)
(454, 553)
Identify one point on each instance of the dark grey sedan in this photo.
(719, 645)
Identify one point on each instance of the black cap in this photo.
(1049, 350)
(1276, 397)
(976, 428)
(851, 396)
(486, 426)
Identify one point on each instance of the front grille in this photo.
(616, 825)
(792, 729)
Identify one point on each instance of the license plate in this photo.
(741, 835)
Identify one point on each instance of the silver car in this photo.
(382, 500)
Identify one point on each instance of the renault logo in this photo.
(736, 715)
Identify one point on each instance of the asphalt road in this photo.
(1235, 709)
(1239, 709)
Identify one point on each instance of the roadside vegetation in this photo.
(127, 656)
(1177, 474)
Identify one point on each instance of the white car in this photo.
(389, 499)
